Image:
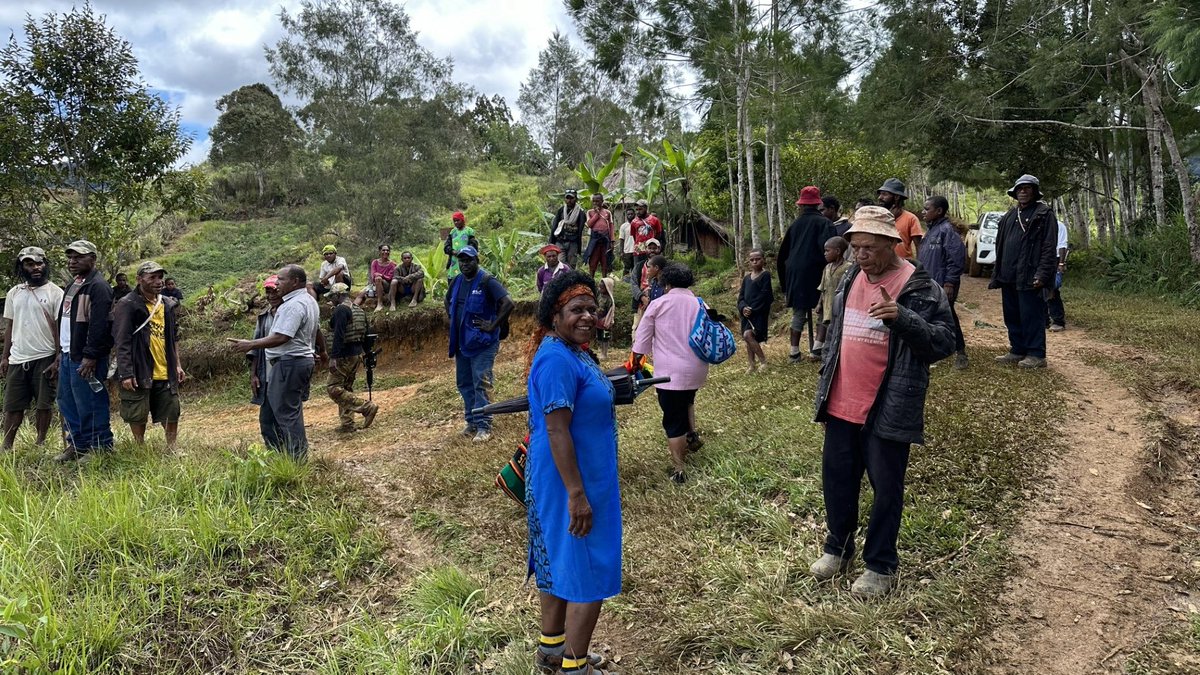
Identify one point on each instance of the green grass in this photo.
(220, 252)
(716, 570)
(139, 562)
(228, 562)
(1168, 331)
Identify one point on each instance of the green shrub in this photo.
(1157, 263)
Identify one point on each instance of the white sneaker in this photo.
(483, 435)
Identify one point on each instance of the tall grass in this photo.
(1155, 263)
(136, 562)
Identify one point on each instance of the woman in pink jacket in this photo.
(663, 333)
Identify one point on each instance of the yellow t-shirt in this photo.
(158, 340)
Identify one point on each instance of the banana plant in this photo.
(504, 251)
(591, 176)
(433, 259)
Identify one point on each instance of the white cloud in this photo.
(199, 51)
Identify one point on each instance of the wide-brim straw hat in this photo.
(874, 220)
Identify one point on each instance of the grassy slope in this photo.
(221, 558)
(717, 570)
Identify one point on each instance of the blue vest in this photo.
(465, 337)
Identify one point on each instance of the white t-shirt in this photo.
(327, 267)
(32, 310)
(1062, 237)
(623, 234)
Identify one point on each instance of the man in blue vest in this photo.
(478, 306)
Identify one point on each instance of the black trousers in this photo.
(1025, 318)
(849, 450)
(1055, 309)
(960, 344)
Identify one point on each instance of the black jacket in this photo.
(1039, 257)
(802, 258)
(921, 335)
(572, 231)
(131, 338)
(90, 336)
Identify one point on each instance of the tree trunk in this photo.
(780, 196)
(1156, 171)
(1097, 207)
(769, 183)
(748, 148)
(1177, 165)
(1079, 216)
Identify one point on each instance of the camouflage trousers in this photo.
(341, 389)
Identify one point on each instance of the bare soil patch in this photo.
(1097, 563)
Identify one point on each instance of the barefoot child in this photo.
(754, 304)
(835, 256)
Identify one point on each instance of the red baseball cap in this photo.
(458, 215)
(809, 196)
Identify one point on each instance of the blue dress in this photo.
(575, 569)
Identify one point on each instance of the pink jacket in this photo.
(663, 333)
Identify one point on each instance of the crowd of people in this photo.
(873, 290)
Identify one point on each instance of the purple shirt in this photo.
(545, 274)
(663, 333)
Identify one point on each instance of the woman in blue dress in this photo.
(571, 477)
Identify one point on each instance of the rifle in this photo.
(370, 359)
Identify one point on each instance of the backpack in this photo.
(356, 330)
(710, 340)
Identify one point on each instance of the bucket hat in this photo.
(874, 220)
(894, 186)
(1027, 179)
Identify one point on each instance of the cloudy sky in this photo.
(195, 52)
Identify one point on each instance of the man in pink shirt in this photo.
(890, 321)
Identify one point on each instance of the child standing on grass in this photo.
(606, 311)
(651, 289)
(835, 256)
(754, 304)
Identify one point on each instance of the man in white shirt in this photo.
(1055, 312)
(29, 363)
(625, 235)
(291, 351)
(334, 270)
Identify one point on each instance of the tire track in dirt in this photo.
(1095, 567)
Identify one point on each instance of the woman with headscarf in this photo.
(571, 490)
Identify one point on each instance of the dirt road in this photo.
(1097, 553)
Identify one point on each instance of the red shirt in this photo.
(643, 231)
(864, 349)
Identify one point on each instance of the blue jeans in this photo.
(473, 376)
(84, 412)
(1025, 318)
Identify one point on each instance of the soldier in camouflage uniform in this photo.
(348, 326)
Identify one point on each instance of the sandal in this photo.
(694, 442)
(678, 477)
